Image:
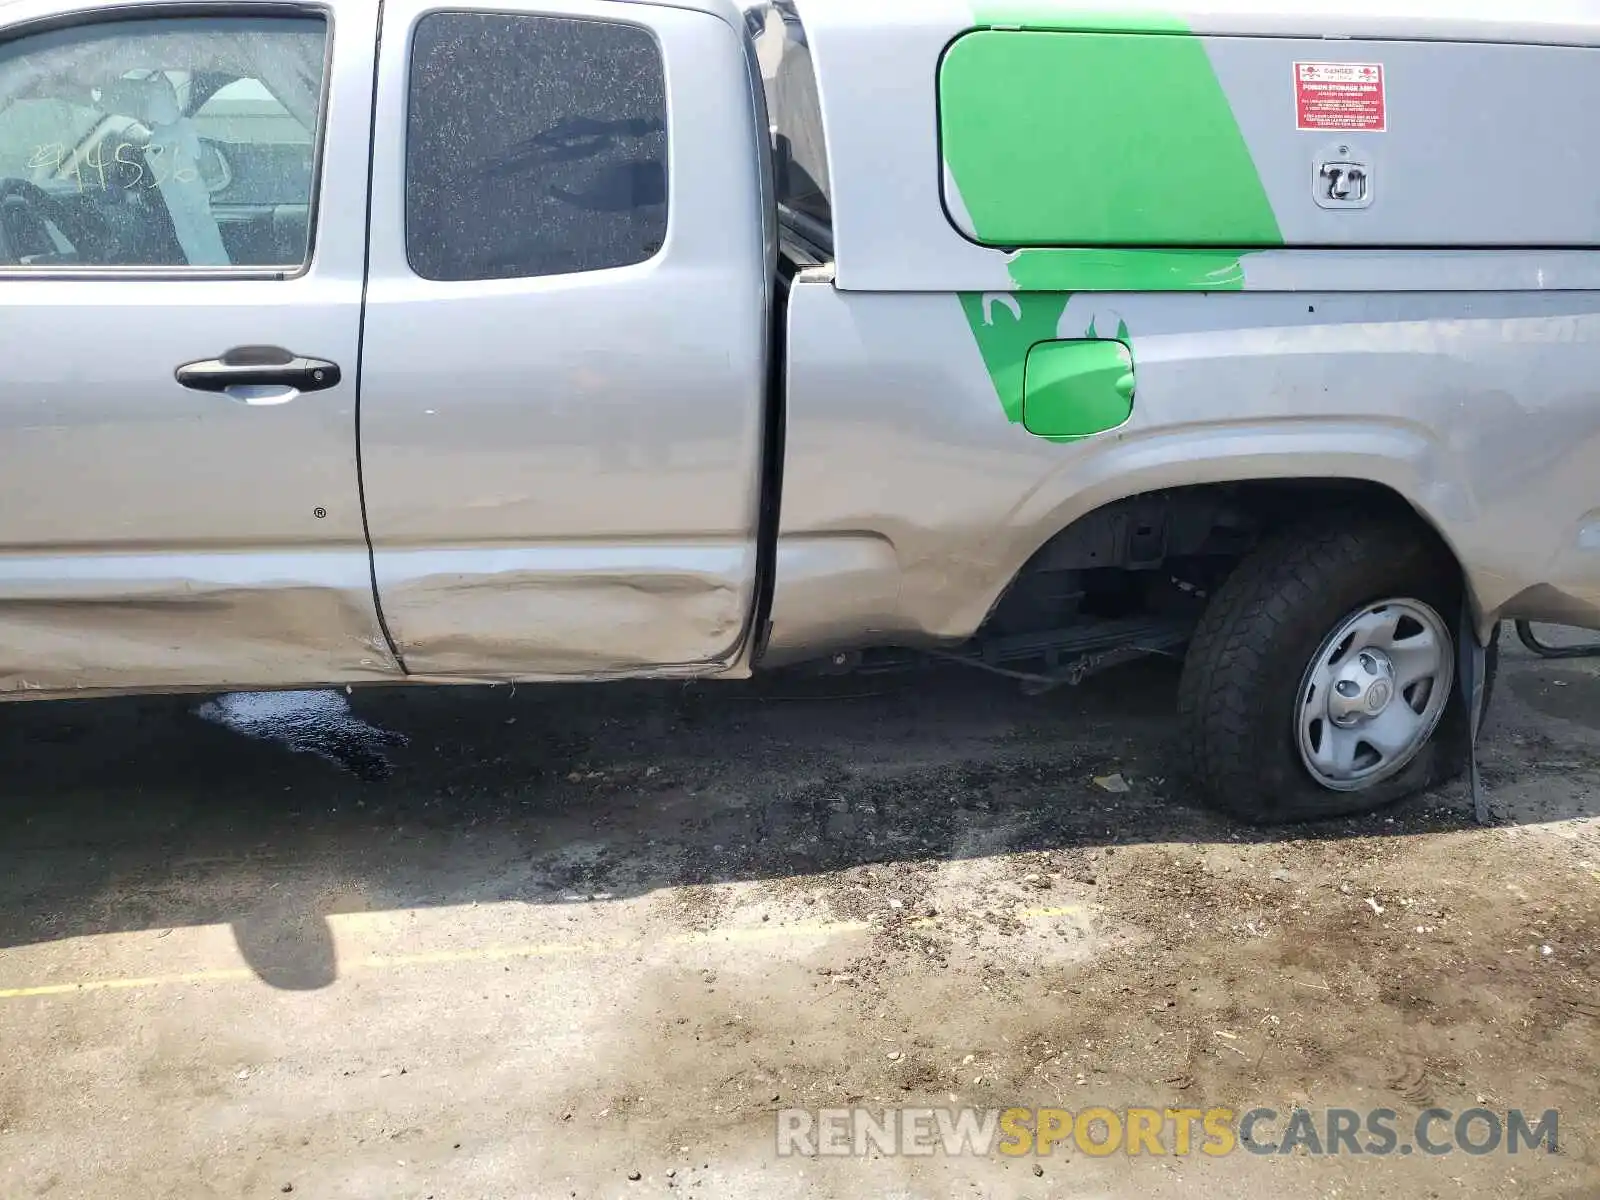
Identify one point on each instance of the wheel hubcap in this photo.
(1362, 688)
(1373, 694)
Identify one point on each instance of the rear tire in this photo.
(1274, 672)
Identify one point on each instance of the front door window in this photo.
(173, 142)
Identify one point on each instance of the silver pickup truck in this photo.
(590, 339)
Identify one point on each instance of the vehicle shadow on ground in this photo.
(136, 814)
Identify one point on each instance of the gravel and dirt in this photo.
(588, 942)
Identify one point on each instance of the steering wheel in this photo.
(26, 207)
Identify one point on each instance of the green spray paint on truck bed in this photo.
(1141, 147)
(1136, 116)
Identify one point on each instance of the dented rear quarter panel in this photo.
(1477, 410)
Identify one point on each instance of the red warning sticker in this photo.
(1339, 96)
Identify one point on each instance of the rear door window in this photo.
(535, 146)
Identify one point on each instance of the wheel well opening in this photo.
(1163, 553)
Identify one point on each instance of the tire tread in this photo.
(1252, 616)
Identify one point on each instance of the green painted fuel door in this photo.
(1075, 389)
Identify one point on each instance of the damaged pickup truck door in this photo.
(178, 490)
(564, 358)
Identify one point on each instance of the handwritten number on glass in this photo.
(96, 170)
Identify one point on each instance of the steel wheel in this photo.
(1373, 694)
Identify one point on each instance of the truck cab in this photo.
(537, 443)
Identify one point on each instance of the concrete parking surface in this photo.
(588, 942)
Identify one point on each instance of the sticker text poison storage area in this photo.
(1339, 96)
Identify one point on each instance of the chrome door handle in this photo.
(271, 372)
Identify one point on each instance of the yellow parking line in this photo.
(143, 981)
(580, 947)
